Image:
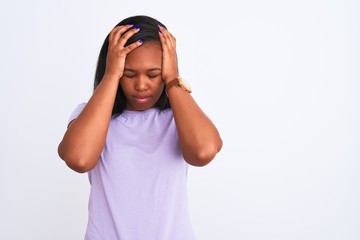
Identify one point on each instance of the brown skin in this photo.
(142, 82)
(148, 67)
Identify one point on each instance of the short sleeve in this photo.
(76, 112)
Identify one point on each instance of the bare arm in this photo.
(199, 139)
(85, 137)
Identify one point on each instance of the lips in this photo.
(141, 100)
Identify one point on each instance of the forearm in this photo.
(85, 137)
(199, 139)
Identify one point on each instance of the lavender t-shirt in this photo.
(138, 188)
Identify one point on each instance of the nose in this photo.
(141, 84)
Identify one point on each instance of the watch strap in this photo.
(172, 83)
(178, 82)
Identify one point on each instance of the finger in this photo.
(165, 43)
(162, 38)
(116, 33)
(173, 39)
(113, 31)
(167, 36)
(127, 35)
(132, 46)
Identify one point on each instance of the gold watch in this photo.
(178, 82)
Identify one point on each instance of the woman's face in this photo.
(142, 82)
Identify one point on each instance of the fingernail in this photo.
(137, 27)
(141, 41)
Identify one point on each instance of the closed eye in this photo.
(153, 76)
(129, 76)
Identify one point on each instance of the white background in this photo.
(280, 79)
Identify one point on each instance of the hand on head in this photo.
(117, 52)
(115, 60)
(169, 56)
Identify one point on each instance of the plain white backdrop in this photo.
(280, 79)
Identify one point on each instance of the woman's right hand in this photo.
(116, 55)
(85, 137)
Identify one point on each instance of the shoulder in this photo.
(76, 112)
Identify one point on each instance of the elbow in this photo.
(78, 165)
(75, 161)
(203, 156)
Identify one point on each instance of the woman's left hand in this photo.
(169, 57)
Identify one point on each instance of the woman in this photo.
(136, 136)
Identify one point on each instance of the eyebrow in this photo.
(148, 70)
